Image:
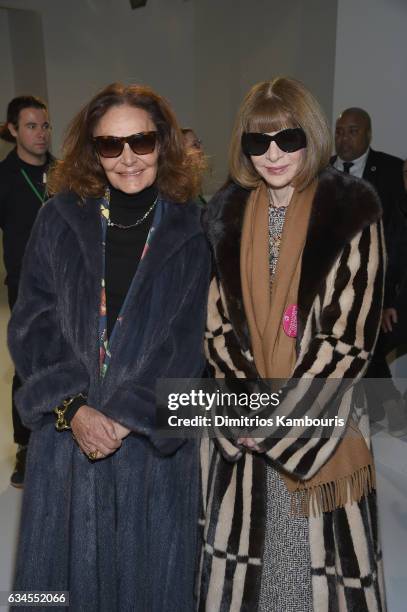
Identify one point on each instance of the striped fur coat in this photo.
(339, 308)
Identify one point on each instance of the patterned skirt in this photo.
(286, 577)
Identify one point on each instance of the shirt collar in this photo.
(358, 166)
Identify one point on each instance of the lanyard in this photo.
(33, 187)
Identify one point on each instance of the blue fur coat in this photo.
(121, 533)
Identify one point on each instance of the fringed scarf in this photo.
(348, 474)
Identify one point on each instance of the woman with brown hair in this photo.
(109, 302)
(290, 511)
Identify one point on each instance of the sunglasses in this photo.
(112, 146)
(290, 140)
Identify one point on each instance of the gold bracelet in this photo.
(60, 423)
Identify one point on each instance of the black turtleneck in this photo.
(123, 252)
(124, 247)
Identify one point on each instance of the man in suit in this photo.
(353, 134)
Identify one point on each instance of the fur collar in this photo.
(180, 223)
(343, 206)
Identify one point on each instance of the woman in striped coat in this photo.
(290, 522)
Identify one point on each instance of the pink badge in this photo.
(290, 321)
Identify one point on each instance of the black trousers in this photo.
(380, 386)
(21, 433)
(379, 368)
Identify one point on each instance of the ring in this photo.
(93, 455)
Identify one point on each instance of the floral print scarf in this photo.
(104, 341)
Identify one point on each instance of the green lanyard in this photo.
(33, 187)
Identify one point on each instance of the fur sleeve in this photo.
(43, 359)
(338, 341)
(225, 357)
(347, 319)
(175, 351)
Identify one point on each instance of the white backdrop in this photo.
(371, 68)
(203, 55)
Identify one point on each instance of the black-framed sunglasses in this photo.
(290, 140)
(112, 146)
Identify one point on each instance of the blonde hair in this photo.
(272, 106)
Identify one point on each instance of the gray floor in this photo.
(391, 461)
(10, 498)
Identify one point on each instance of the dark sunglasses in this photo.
(112, 146)
(290, 140)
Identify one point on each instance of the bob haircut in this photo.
(178, 176)
(272, 106)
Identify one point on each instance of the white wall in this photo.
(370, 67)
(90, 43)
(6, 66)
(202, 55)
(27, 52)
(241, 42)
(6, 72)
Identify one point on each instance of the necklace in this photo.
(271, 202)
(138, 222)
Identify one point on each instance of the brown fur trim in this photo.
(342, 207)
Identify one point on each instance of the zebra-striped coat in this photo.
(339, 309)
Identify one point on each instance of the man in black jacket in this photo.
(22, 193)
(353, 133)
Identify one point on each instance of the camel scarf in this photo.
(348, 474)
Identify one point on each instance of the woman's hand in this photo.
(94, 431)
(121, 430)
(389, 318)
(250, 444)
